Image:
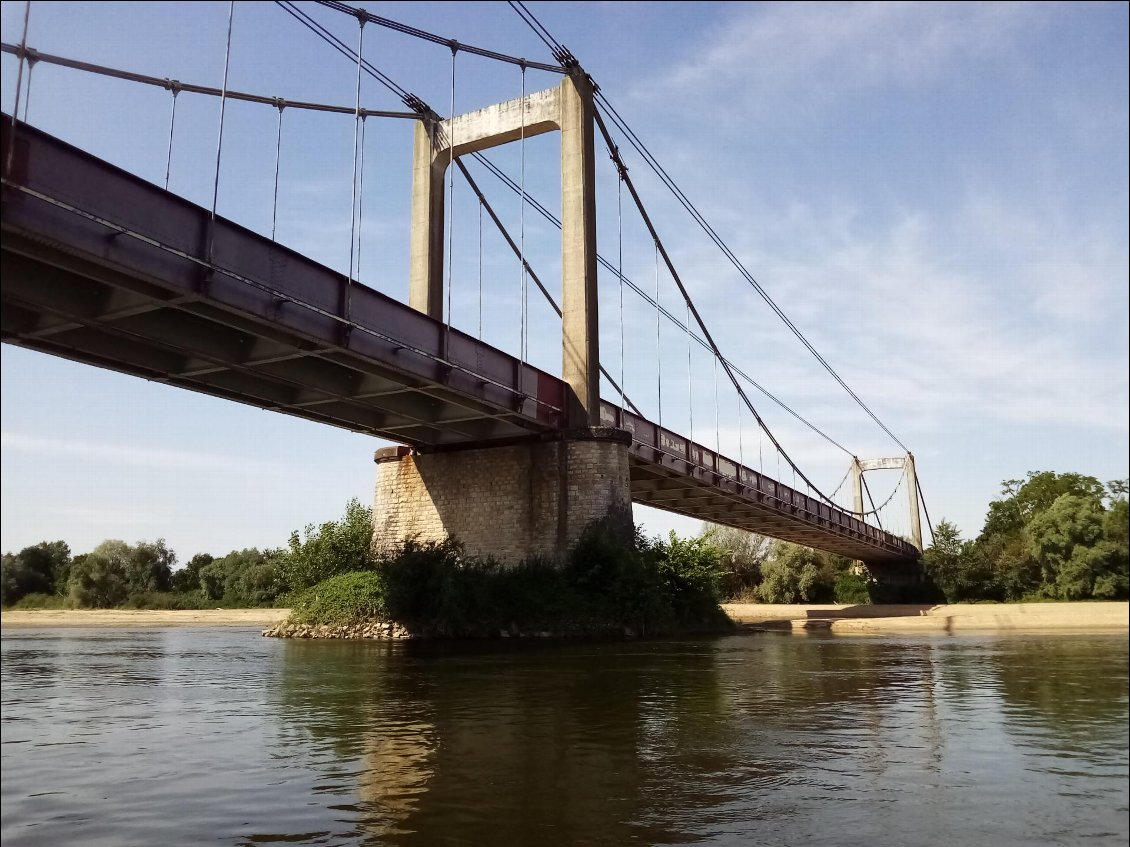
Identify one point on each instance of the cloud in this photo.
(165, 459)
(768, 56)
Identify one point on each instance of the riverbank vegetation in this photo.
(605, 586)
(1051, 536)
(143, 576)
(756, 569)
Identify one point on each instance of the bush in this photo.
(343, 599)
(336, 547)
(604, 586)
(852, 588)
(167, 600)
(41, 601)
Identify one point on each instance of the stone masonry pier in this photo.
(510, 502)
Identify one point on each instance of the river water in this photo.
(219, 736)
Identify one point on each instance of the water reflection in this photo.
(193, 736)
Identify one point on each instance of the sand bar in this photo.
(143, 617)
(840, 619)
(944, 618)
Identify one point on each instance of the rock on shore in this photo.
(367, 629)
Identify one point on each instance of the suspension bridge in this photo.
(104, 267)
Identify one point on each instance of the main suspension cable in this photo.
(698, 318)
(669, 182)
(424, 35)
(191, 88)
(506, 180)
(509, 239)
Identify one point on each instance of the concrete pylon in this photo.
(857, 487)
(569, 109)
(912, 495)
(858, 466)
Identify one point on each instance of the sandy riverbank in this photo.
(144, 617)
(948, 618)
(845, 619)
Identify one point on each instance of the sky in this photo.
(935, 194)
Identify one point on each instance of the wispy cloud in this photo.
(805, 54)
(152, 458)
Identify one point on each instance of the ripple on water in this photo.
(191, 736)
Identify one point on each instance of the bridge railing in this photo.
(58, 193)
(669, 449)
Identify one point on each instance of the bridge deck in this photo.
(105, 268)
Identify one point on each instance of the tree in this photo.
(1077, 560)
(98, 579)
(40, 569)
(741, 556)
(334, 547)
(956, 567)
(241, 578)
(1028, 498)
(791, 574)
(188, 577)
(150, 567)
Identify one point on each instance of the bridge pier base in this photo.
(512, 501)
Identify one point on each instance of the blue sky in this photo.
(936, 194)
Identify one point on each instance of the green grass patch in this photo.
(347, 598)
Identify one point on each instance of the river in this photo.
(218, 736)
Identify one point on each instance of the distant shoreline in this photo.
(124, 618)
(1043, 617)
(968, 617)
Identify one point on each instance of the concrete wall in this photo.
(512, 502)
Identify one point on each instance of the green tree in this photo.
(791, 574)
(741, 556)
(39, 569)
(188, 578)
(1027, 498)
(241, 578)
(1077, 559)
(690, 566)
(99, 579)
(150, 567)
(334, 547)
(957, 567)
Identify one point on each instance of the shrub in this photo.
(852, 588)
(347, 598)
(604, 585)
(41, 601)
(167, 600)
(333, 548)
(790, 575)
